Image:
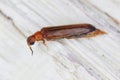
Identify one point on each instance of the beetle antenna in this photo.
(31, 49)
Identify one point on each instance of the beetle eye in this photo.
(31, 43)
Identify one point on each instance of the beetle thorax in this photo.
(38, 36)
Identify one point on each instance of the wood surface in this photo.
(96, 58)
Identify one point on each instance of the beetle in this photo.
(63, 31)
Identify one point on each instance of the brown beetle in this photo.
(64, 31)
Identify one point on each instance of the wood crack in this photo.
(13, 23)
(106, 14)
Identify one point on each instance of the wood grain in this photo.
(94, 58)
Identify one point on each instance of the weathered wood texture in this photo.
(96, 58)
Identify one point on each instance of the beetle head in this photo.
(31, 39)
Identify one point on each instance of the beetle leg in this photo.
(44, 42)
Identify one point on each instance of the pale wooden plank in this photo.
(89, 59)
